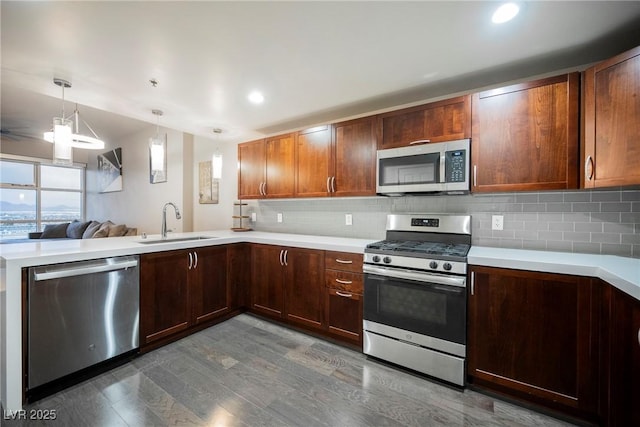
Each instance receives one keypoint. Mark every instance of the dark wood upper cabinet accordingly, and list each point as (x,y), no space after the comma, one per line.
(281,163)
(267,168)
(536,337)
(252,163)
(611,122)
(354,158)
(439,121)
(313,166)
(525,136)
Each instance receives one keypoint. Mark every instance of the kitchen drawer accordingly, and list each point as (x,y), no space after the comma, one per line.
(344,281)
(343,261)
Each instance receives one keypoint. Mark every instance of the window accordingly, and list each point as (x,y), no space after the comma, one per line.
(33,194)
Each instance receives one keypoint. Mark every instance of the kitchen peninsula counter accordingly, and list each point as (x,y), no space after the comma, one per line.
(623,273)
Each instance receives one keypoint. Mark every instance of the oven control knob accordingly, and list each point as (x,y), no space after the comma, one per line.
(433,265)
(447,266)
(376,258)
(386,260)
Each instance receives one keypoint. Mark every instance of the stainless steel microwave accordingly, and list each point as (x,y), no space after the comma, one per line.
(441,167)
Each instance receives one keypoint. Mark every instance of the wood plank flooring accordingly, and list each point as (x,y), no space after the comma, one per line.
(249,372)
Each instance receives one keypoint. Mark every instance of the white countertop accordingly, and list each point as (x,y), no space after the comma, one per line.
(621,272)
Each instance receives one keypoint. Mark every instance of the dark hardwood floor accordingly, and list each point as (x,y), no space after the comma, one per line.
(249,372)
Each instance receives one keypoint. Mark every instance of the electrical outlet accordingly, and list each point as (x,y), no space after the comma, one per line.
(348,219)
(497,222)
(279,216)
(254,217)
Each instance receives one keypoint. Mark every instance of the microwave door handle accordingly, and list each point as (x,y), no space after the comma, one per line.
(443,159)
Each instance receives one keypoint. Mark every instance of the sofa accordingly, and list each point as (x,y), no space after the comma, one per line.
(84,230)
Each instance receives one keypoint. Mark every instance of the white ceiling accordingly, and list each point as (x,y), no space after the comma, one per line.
(314,61)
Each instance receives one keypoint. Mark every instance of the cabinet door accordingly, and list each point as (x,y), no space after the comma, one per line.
(267,275)
(440,121)
(525,136)
(623,369)
(313,169)
(611,114)
(304,287)
(210,296)
(239,274)
(251,169)
(536,336)
(344,315)
(354,148)
(281,163)
(164,295)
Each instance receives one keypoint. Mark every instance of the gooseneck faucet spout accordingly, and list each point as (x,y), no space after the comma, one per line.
(163,231)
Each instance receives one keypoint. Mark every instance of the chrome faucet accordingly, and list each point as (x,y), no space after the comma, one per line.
(163,231)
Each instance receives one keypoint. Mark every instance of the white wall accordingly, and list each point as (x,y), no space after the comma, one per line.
(140,203)
(215,216)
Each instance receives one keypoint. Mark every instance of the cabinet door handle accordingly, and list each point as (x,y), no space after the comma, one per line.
(190,261)
(344,282)
(260,189)
(195,262)
(281,254)
(341,294)
(638,336)
(475,175)
(420,141)
(333,184)
(588,168)
(473,282)
(286,255)
(344,261)
(328,184)
(264,188)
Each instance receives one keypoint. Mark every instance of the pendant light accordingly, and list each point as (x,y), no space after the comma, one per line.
(65,135)
(61,133)
(157,153)
(216,159)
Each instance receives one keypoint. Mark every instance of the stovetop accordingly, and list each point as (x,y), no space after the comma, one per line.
(419,249)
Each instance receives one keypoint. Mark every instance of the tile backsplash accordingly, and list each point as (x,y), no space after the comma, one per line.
(598,221)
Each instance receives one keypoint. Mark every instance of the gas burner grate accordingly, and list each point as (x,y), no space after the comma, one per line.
(419,247)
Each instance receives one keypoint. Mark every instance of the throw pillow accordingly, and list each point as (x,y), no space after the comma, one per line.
(103,231)
(117,230)
(55,231)
(76,229)
(91,229)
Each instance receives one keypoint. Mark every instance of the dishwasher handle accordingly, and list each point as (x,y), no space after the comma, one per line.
(102,266)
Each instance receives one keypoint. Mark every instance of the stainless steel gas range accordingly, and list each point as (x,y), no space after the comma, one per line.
(415,301)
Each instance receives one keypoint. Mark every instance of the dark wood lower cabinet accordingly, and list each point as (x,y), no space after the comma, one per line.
(344,316)
(304,287)
(181,291)
(535,336)
(267,276)
(621,360)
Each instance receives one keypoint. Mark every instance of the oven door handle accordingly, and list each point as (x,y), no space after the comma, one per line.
(411,275)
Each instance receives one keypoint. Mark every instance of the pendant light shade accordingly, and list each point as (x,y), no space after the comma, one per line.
(65,134)
(216,158)
(157,153)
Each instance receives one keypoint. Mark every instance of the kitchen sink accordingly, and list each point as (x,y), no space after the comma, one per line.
(176,239)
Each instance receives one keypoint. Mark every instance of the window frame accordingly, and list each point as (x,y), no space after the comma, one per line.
(37,187)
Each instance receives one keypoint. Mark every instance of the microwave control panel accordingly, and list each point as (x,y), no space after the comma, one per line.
(455,170)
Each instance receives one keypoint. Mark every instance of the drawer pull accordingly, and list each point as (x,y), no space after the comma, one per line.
(343,294)
(344,282)
(344,261)
(638,336)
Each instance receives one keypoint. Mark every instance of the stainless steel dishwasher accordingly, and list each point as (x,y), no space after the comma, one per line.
(80,314)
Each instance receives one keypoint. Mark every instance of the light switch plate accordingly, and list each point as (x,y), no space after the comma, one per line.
(254,217)
(497,222)
(348,219)
(279,216)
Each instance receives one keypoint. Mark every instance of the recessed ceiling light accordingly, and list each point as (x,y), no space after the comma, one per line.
(256,97)
(505,13)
